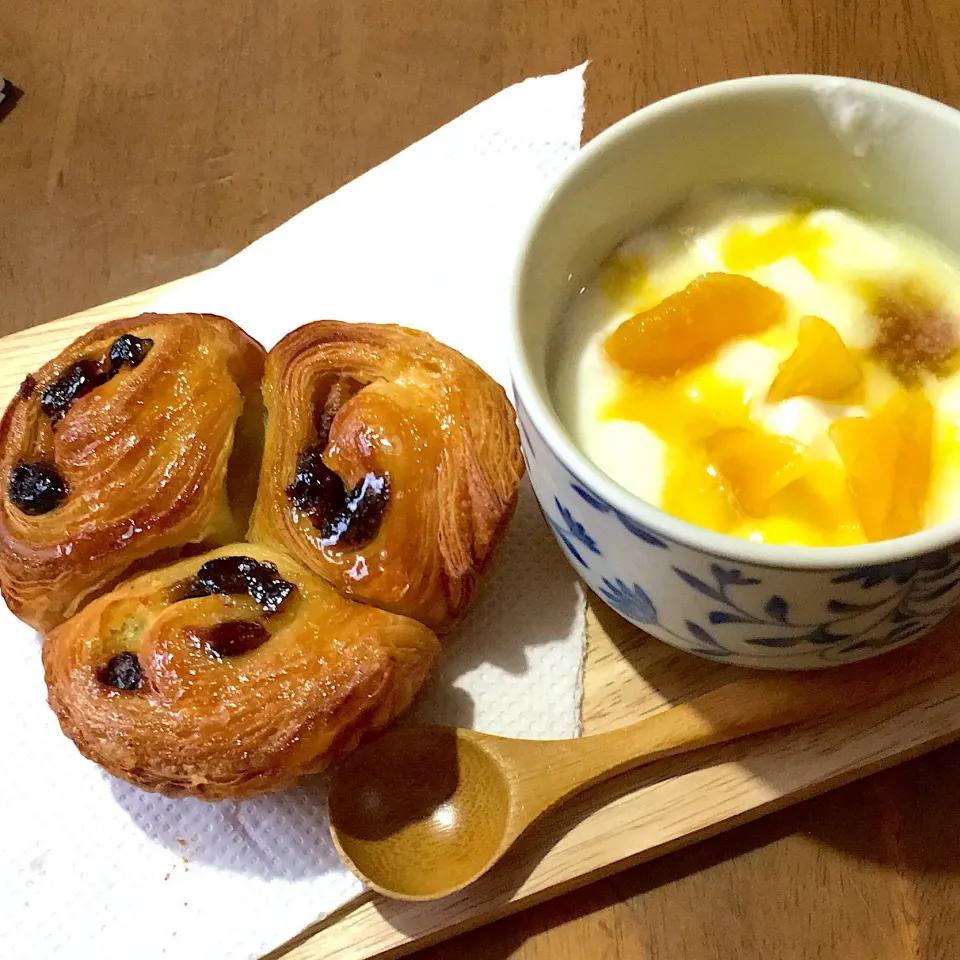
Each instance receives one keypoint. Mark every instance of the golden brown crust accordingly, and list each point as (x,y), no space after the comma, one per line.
(414,411)
(145,457)
(232,726)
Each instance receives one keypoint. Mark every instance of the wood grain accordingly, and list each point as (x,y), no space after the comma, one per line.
(153,140)
(502,786)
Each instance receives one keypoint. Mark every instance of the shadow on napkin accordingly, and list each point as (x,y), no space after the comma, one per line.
(529,603)
(277,836)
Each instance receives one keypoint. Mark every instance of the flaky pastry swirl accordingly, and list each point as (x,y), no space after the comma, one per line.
(122,452)
(229,674)
(391,465)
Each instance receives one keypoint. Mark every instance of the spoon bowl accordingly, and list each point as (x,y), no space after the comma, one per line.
(421,812)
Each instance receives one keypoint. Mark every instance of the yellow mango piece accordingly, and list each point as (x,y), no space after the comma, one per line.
(756,464)
(694,491)
(888,459)
(794,236)
(820,508)
(684,410)
(821,366)
(689,327)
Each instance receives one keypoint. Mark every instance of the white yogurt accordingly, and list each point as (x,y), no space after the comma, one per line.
(690,243)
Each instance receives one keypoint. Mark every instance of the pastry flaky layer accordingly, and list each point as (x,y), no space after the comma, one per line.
(138,442)
(391,465)
(229,674)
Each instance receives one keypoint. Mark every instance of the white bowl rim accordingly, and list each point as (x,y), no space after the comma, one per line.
(939,537)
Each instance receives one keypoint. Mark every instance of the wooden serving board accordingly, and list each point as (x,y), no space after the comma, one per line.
(639,816)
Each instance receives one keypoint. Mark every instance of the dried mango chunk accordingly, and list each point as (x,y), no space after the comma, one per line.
(888,460)
(821,366)
(690,326)
(756,464)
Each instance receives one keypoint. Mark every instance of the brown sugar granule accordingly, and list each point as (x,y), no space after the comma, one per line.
(914,333)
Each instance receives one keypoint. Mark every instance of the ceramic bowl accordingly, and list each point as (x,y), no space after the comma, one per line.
(849,142)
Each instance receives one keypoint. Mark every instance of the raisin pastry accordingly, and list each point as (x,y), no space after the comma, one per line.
(391,465)
(137,443)
(229,674)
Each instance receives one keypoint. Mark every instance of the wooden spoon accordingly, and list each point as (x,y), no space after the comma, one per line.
(424,811)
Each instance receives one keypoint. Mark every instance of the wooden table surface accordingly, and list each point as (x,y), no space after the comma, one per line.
(154,139)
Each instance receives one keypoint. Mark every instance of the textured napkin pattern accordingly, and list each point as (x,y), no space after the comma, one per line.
(92,867)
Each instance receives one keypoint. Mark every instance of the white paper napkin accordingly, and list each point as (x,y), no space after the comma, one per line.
(92,867)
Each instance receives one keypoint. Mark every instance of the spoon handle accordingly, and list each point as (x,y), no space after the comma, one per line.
(756,703)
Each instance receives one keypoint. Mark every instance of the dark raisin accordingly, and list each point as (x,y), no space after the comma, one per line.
(316,489)
(122,672)
(234,637)
(359,519)
(36,488)
(228,574)
(231,575)
(79,380)
(343,518)
(27,386)
(129,350)
(86,375)
(270,594)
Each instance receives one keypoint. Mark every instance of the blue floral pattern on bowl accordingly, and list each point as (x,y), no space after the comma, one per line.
(713,607)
